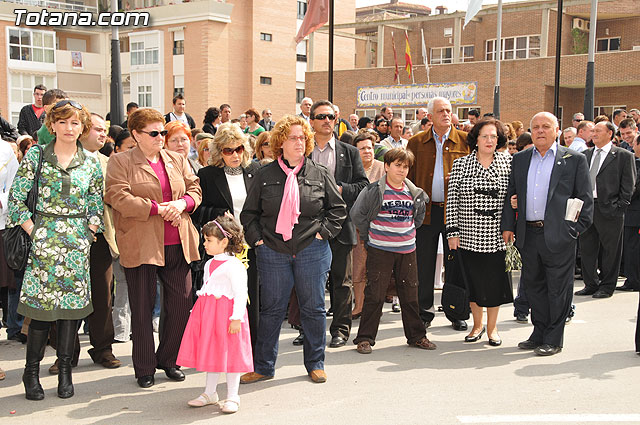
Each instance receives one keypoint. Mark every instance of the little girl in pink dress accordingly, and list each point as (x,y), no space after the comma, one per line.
(217,337)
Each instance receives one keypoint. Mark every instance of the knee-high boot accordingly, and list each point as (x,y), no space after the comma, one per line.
(67,330)
(36,343)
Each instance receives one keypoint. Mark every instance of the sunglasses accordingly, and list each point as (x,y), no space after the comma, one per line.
(66,102)
(155,133)
(321,117)
(265,144)
(229,151)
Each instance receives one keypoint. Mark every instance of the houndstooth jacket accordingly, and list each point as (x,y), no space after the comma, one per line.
(475,200)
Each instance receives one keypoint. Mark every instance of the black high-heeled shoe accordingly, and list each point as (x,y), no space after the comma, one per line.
(474,338)
(495,342)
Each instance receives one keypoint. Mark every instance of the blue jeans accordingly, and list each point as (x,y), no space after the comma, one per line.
(307,271)
(14,320)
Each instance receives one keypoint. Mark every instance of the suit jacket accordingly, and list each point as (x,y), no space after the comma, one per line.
(131,186)
(615,180)
(190,119)
(423,147)
(216,196)
(266,125)
(350,175)
(569,179)
(632,215)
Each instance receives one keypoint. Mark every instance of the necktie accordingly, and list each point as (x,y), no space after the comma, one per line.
(593,172)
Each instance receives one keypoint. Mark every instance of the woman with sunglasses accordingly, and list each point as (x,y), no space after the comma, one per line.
(152,191)
(225,183)
(69,209)
(292,210)
(262,148)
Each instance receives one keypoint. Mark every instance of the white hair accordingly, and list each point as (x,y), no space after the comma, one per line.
(546,114)
(432,103)
(336,108)
(570,129)
(307,98)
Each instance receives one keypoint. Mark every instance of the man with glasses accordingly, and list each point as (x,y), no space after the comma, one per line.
(578,117)
(266,121)
(32,116)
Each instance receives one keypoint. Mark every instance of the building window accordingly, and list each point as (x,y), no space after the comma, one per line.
(607,110)
(441,55)
(21,90)
(371,113)
(140,56)
(523,47)
(124,45)
(608,44)
(301,58)
(178,47)
(144,96)
(265,81)
(265,36)
(177,91)
(31,45)
(466,53)
(302,9)
(463,112)
(299,95)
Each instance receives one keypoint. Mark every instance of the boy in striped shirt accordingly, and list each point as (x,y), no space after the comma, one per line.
(387,214)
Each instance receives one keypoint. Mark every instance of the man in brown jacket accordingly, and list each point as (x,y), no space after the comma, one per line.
(435,150)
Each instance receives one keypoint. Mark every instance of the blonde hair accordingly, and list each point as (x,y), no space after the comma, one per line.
(65,112)
(281,132)
(226,134)
(202,144)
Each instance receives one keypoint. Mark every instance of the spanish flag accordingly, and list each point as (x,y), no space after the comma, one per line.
(407,55)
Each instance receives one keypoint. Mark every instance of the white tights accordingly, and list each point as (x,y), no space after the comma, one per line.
(233,383)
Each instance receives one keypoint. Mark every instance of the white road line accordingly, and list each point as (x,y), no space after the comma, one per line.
(553,418)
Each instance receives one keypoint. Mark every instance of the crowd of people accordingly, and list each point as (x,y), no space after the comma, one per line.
(254,219)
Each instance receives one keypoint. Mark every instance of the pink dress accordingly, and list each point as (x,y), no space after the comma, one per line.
(207,344)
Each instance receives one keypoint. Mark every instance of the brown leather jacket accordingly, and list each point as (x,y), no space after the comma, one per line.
(423,147)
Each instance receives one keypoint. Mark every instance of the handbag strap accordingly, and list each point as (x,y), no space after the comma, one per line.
(36,180)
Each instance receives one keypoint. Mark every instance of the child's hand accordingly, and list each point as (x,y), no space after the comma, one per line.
(234,326)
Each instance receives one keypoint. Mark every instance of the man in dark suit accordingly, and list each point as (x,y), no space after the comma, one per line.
(344,163)
(631,243)
(266,121)
(612,174)
(544,179)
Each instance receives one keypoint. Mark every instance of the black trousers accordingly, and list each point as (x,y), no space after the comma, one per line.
(427,237)
(631,256)
(175,277)
(101,321)
(340,284)
(253,290)
(547,279)
(605,233)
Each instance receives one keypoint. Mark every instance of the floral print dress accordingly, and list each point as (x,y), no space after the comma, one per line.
(56,281)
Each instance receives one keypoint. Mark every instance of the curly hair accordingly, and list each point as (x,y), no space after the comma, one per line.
(66,111)
(280,133)
(233,229)
(211,115)
(472,137)
(227,134)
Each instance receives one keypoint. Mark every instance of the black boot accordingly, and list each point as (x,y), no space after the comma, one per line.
(67,330)
(36,343)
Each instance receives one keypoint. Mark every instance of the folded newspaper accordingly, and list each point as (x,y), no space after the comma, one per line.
(512,259)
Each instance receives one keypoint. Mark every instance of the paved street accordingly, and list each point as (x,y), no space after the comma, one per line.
(595,380)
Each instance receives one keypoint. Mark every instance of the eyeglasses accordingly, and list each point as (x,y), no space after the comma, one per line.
(321,117)
(265,144)
(205,150)
(297,138)
(229,151)
(488,137)
(155,133)
(65,102)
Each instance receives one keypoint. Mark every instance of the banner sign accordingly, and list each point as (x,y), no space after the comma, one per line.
(417,94)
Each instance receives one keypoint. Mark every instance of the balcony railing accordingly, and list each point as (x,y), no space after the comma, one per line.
(56,5)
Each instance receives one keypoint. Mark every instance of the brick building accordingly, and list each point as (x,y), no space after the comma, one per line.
(528,65)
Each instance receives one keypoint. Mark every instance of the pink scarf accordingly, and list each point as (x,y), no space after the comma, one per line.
(290,206)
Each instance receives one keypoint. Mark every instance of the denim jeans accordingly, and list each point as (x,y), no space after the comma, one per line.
(14,320)
(307,271)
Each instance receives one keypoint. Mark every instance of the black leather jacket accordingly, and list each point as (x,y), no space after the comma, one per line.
(322,209)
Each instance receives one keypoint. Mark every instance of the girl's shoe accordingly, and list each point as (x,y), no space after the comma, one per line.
(230,406)
(203,400)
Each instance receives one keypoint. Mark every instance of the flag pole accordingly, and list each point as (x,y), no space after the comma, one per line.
(424,56)
(330,82)
(556,87)
(496,90)
(589,84)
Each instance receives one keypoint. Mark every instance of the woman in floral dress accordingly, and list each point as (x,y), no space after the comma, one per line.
(68,213)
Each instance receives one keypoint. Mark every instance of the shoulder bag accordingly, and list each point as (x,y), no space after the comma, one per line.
(455,298)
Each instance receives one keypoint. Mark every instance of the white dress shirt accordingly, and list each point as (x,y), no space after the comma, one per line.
(605,151)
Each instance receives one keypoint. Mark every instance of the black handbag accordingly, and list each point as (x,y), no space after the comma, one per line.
(455,298)
(17,242)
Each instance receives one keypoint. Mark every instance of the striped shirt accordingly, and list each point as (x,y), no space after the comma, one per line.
(393,229)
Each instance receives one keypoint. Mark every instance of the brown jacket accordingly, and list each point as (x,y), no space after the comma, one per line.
(423,147)
(131,185)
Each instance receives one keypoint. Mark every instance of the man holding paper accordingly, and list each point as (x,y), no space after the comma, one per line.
(544,180)
(613,174)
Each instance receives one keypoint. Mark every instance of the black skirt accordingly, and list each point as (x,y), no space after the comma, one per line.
(487,281)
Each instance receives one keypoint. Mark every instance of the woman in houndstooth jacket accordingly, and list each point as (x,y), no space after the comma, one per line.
(477,188)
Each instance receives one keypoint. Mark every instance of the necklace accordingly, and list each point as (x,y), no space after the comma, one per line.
(232,171)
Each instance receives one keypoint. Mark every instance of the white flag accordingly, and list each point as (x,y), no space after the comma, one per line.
(473,8)
(425,58)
